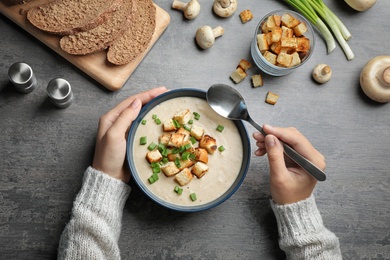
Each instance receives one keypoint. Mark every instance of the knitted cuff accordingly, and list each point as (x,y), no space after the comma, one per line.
(102,193)
(298,219)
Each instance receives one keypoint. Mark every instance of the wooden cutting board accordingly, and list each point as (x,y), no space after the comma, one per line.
(95,65)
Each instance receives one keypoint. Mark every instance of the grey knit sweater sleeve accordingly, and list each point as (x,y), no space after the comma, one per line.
(302,234)
(94,228)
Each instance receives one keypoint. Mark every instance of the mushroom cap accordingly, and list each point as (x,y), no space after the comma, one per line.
(192,10)
(375,79)
(205,37)
(322,73)
(360,5)
(222,11)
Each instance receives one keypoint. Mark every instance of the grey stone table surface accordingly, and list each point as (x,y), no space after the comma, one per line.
(44,150)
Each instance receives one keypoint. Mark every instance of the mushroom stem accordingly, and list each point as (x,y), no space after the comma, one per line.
(225,3)
(218,31)
(386,75)
(325,70)
(179,5)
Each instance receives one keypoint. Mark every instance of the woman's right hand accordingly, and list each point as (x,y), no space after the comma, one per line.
(289,182)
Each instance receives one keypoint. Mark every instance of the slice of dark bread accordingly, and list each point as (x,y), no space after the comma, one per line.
(100,37)
(137,37)
(65,17)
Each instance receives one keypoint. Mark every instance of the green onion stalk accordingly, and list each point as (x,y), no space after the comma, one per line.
(311,9)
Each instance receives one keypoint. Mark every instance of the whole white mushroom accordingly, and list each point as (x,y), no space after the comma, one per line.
(205,36)
(190,9)
(375,79)
(225,8)
(322,73)
(360,5)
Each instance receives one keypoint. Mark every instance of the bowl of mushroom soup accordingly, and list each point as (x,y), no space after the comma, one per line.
(183,155)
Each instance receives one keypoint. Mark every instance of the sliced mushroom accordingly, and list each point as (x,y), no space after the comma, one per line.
(205,36)
(322,73)
(225,8)
(375,79)
(190,9)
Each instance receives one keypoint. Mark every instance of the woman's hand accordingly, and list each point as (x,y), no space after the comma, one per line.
(110,150)
(289,182)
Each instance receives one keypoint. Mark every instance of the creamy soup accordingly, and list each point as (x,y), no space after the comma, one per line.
(224,166)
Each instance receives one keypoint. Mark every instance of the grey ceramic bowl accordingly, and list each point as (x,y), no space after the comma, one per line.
(130,142)
(270,68)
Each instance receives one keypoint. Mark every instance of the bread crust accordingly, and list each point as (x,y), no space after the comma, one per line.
(137,38)
(100,37)
(56,17)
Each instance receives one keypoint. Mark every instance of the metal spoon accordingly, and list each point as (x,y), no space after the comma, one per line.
(228,102)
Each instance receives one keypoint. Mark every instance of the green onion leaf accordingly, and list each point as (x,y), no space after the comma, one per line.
(196,115)
(176,123)
(193,196)
(154,116)
(143,140)
(152,146)
(220,128)
(193,140)
(177,162)
(221,148)
(190,121)
(143,122)
(178,190)
(186,127)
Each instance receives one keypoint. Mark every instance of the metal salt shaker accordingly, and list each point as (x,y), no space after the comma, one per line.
(22,77)
(60,92)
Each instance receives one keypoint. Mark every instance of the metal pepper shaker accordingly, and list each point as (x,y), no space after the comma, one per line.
(22,77)
(60,92)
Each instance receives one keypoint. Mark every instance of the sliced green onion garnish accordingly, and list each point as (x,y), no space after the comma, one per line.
(178,190)
(221,148)
(157,121)
(185,156)
(175,150)
(143,122)
(143,140)
(190,121)
(156,169)
(152,179)
(196,115)
(220,128)
(177,162)
(152,146)
(187,146)
(176,123)
(164,160)
(193,196)
(192,139)
(154,116)
(186,127)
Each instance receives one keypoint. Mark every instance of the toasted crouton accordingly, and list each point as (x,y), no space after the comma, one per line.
(153,156)
(183,116)
(295,59)
(201,155)
(164,139)
(184,177)
(185,133)
(270,57)
(284,59)
(289,21)
(257,80)
(276,47)
(262,42)
(238,75)
(169,126)
(276,34)
(300,29)
(169,169)
(271,98)
(246,16)
(209,143)
(185,164)
(288,42)
(199,169)
(177,140)
(287,32)
(197,132)
(303,44)
(172,156)
(244,64)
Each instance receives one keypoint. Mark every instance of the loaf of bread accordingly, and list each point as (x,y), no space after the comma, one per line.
(65,17)
(103,35)
(138,36)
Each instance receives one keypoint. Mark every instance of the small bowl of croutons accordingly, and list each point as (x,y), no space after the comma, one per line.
(283,41)
(183,155)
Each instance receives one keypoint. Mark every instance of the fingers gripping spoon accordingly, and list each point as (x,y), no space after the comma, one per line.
(229,103)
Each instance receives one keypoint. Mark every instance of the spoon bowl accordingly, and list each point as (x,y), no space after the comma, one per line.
(229,103)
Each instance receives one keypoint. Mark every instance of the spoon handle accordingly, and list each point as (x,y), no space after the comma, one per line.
(295,156)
